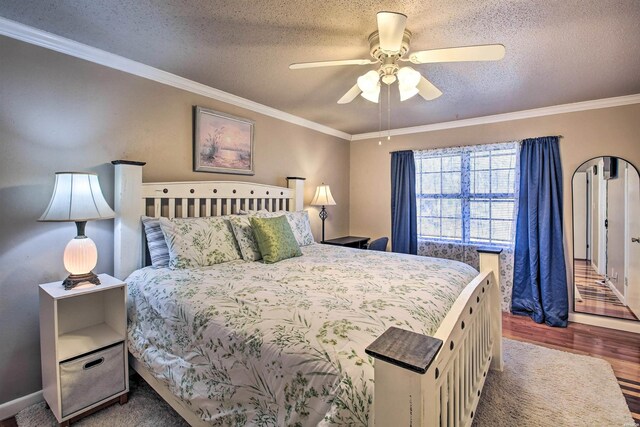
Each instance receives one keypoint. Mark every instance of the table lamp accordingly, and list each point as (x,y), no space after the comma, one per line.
(323,198)
(77,197)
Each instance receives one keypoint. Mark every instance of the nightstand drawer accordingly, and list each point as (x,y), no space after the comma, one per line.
(88,379)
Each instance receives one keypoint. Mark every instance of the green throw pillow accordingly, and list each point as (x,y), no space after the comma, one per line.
(275,239)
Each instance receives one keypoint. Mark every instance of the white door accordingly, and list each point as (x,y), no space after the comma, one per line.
(632,282)
(580,215)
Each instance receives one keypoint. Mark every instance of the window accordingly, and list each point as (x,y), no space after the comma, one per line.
(467,194)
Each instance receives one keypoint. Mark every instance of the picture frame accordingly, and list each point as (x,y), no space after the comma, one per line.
(222,143)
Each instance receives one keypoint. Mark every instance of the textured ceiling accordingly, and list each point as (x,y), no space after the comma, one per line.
(558,51)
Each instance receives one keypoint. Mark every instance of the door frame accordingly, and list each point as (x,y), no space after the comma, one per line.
(589,215)
(627,234)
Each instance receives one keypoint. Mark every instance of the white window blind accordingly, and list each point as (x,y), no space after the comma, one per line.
(467,194)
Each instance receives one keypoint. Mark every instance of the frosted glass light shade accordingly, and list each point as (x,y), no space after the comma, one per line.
(369,84)
(80,256)
(368,81)
(372,95)
(409,77)
(77,197)
(323,196)
(408,80)
(407,92)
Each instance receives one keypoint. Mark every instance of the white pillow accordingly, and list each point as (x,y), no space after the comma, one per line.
(244,236)
(199,242)
(299,222)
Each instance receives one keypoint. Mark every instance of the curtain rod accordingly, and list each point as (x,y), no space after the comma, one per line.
(559,137)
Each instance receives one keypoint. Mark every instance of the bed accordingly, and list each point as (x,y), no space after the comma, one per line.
(284,344)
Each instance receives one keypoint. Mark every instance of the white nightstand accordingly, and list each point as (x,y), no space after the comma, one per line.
(83,347)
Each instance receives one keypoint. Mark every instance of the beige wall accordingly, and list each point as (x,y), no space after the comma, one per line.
(587,134)
(59,113)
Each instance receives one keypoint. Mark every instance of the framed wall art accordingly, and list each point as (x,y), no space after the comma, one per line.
(222,143)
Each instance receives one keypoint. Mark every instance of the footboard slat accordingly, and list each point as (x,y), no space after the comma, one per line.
(450,381)
(443,406)
(456,388)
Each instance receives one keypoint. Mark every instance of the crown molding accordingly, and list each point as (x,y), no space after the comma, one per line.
(54,42)
(60,44)
(517,115)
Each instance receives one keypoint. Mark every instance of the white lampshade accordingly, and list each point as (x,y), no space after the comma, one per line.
(323,196)
(77,197)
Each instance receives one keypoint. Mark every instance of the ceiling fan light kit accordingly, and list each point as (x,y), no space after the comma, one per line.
(388,47)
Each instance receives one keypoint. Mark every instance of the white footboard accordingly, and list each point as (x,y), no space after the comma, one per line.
(437,381)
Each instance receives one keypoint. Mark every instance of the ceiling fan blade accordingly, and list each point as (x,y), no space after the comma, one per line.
(350,95)
(427,90)
(391,27)
(302,65)
(487,52)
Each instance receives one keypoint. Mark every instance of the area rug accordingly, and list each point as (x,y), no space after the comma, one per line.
(145,408)
(539,387)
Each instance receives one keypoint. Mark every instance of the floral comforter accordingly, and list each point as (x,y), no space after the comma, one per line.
(283,344)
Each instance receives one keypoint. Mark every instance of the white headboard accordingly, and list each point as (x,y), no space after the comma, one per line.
(133,198)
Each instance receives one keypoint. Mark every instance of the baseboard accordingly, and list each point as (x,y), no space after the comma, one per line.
(576,294)
(606,322)
(11,408)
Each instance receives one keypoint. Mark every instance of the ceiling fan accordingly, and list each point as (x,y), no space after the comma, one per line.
(389,45)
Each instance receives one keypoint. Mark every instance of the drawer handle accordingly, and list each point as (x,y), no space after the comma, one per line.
(93,363)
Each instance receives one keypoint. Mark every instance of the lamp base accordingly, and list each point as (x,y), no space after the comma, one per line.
(75,279)
(323,215)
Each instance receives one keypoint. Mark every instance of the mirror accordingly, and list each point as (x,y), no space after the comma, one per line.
(606,238)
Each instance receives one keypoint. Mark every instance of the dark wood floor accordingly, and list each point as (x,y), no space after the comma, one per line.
(620,349)
(595,296)
(10,422)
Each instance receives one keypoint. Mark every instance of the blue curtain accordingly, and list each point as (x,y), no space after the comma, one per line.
(539,274)
(404,228)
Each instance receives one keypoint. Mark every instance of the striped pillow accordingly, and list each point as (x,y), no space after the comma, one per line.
(156,243)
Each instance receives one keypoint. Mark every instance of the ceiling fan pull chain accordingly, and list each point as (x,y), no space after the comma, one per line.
(388,112)
(380,121)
